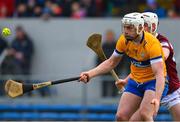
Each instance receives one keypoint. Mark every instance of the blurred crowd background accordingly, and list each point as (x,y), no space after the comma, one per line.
(17,52)
(21,48)
(39,51)
(78,9)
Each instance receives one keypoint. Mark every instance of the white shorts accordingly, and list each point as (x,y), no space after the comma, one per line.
(171,99)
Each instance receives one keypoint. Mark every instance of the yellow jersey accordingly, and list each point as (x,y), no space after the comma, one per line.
(142,55)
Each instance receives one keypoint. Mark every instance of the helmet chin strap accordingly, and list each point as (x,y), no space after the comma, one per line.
(138,34)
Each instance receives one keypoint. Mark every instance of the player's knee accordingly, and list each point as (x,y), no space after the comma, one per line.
(145,114)
(121,116)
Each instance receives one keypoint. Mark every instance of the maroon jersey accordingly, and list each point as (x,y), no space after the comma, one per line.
(174,82)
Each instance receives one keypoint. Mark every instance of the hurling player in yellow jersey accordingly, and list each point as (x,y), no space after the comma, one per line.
(146,84)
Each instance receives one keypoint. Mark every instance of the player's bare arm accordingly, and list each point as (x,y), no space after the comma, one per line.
(166,52)
(102,68)
(158,71)
(160,83)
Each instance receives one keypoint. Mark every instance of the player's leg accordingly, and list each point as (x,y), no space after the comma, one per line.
(175,111)
(129,102)
(146,110)
(136,116)
(172,102)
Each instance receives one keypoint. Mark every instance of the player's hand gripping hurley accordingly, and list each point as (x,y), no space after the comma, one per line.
(94,42)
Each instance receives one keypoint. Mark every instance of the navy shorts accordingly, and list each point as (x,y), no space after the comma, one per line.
(139,88)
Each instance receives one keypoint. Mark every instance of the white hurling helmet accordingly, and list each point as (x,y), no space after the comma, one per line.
(135,19)
(151,18)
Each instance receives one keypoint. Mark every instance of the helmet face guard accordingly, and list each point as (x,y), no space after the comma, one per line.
(131,28)
(151,18)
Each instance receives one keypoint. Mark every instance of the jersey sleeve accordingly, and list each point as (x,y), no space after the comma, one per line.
(165,44)
(164,41)
(120,47)
(155,53)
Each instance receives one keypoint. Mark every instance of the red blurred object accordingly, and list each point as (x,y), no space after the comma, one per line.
(57,10)
(7,8)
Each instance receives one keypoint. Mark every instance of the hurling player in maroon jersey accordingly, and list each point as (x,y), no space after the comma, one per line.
(172,100)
